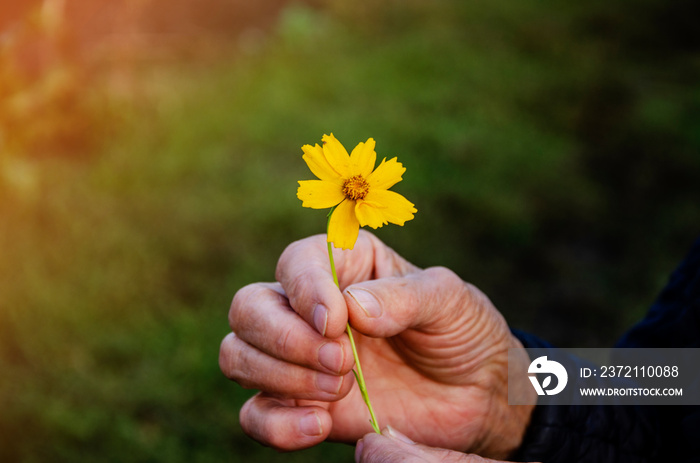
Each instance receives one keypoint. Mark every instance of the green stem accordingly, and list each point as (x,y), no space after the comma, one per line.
(358,368)
(361,382)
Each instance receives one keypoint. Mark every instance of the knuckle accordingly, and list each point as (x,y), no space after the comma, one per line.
(295,286)
(241,300)
(288,255)
(249,420)
(446,294)
(244,416)
(291,271)
(245,313)
(255,420)
(226,356)
(283,343)
(444,276)
(447,281)
(232,360)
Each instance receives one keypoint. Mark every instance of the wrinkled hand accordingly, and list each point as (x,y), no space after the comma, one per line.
(393,447)
(433,348)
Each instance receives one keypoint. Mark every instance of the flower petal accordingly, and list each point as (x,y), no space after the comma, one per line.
(343,227)
(382,206)
(363,157)
(336,155)
(319,194)
(369,214)
(386,175)
(319,165)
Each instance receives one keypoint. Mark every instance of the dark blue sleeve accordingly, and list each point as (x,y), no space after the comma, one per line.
(629,434)
(674,318)
(674,321)
(586,433)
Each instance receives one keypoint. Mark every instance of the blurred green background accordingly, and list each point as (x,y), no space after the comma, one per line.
(149,154)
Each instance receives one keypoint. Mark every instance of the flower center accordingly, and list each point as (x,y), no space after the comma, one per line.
(355,188)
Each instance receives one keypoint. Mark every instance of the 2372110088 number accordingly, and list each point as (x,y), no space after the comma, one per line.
(627,371)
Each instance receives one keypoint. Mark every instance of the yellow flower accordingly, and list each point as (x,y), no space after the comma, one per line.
(350,182)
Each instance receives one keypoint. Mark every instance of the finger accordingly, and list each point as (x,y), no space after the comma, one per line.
(261,316)
(282,425)
(305,274)
(442,326)
(392,446)
(425,299)
(253,369)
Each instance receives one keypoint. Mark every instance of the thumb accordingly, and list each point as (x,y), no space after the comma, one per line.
(392,446)
(429,300)
(444,327)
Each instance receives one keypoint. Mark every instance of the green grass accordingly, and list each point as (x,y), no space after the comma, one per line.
(552,163)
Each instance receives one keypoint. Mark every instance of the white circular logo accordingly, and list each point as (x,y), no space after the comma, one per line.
(551,368)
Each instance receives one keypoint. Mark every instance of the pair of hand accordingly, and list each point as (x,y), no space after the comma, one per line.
(433,348)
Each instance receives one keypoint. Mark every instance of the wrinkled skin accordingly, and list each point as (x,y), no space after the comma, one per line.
(433,350)
(394,447)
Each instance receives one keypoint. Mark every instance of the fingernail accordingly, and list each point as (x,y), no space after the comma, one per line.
(328,383)
(393,433)
(320,318)
(358,450)
(330,355)
(310,425)
(367,302)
